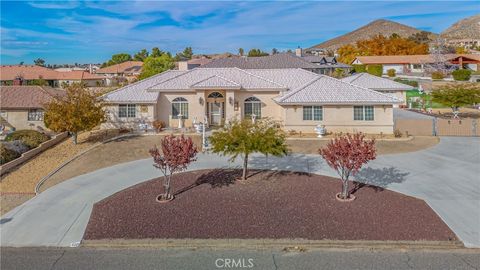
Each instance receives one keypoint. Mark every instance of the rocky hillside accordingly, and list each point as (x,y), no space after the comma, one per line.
(466,28)
(384,27)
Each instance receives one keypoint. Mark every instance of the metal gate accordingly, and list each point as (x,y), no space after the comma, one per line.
(438,127)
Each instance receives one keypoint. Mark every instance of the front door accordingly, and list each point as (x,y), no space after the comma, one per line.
(216,113)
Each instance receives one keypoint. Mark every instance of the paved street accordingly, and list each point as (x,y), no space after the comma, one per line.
(445,176)
(118,259)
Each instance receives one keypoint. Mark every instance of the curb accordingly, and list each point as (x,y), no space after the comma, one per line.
(284,244)
(409,138)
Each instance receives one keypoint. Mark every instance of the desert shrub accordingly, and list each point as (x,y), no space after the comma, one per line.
(30,138)
(359,68)
(437,75)
(391,72)
(462,75)
(158,125)
(397,133)
(7,154)
(376,70)
(17,146)
(407,82)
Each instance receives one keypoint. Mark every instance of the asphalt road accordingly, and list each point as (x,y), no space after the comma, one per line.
(118,259)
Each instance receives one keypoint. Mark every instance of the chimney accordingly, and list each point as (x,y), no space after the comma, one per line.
(298,51)
(90,68)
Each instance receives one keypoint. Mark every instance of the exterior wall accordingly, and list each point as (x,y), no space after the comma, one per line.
(145,113)
(340,119)
(19,119)
(269,107)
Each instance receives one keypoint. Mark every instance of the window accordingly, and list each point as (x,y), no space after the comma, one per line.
(416,66)
(180,106)
(127,110)
(215,95)
(313,113)
(35,115)
(253,105)
(363,113)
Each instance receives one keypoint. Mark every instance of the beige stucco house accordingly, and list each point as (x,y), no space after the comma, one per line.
(299,99)
(383,85)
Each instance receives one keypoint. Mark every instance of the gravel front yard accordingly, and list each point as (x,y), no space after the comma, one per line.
(209,204)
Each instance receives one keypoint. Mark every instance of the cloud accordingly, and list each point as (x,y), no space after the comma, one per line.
(55,4)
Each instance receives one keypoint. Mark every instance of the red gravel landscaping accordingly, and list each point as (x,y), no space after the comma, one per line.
(211,204)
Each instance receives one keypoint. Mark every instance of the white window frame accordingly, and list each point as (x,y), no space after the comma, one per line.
(364,107)
(128,110)
(182,104)
(252,101)
(35,115)
(312,113)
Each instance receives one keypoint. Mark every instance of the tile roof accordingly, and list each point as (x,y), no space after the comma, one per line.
(32,72)
(328,90)
(280,60)
(26,97)
(132,67)
(409,59)
(137,92)
(376,83)
(216,82)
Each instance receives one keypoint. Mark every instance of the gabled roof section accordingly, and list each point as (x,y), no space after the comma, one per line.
(216,82)
(138,92)
(27,97)
(327,90)
(131,67)
(244,78)
(375,83)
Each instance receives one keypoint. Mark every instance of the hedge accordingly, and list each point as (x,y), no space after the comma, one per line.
(6,154)
(359,68)
(391,72)
(437,75)
(407,82)
(31,138)
(376,70)
(462,75)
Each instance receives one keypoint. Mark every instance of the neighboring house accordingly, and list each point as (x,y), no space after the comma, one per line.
(124,72)
(22,106)
(28,74)
(327,64)
(383,85)
(193,63)
(300,99)
(410,64)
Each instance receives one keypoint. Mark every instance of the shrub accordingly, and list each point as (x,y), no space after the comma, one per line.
(397,133)
(376,70)
(407,82)
(391,72)
(359,68)
(17,146)
(7,154)
(30,138)
(462,75)
(437,75)
(158,125)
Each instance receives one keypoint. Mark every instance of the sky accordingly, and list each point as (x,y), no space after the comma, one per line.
(91,31)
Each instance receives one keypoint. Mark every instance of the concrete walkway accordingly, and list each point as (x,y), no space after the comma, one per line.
(446,176)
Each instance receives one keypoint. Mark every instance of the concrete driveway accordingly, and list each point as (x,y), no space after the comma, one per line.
(446,176)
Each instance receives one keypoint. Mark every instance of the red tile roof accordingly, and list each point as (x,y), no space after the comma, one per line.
(26,97)
(32,72)
(132,67)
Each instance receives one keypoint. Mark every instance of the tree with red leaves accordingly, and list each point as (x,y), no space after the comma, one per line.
(177,153)
(347,154)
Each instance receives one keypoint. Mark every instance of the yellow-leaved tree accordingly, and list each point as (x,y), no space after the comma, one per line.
(79,110)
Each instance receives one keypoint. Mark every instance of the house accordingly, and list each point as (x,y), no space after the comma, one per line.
(319,65)
(300,99)
(22,106)
(30,74)
(124,72)
(193,63)
(383,85)
(408,64)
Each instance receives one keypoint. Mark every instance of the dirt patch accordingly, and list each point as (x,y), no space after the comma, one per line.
(109,154)
(8,201)
(383,146)
(210,204)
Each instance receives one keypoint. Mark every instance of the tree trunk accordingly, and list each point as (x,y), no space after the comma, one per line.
(74,137)
(166,185)
(344,189)
(245,164)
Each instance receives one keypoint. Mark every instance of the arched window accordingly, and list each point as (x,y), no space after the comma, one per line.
(180,106)
(215,95)
(253,105)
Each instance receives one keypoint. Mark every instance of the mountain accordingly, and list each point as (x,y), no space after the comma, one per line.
(466,28)
(383,27)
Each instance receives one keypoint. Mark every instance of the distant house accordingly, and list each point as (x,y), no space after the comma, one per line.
(407,64)
(299,99)
(29,74)
(126,71)
(278,61)
(383,85)
(193,63)
(22,106)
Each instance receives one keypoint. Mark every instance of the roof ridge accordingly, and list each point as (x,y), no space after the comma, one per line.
(218,76)
(260,77)
(368,89)
(293,92)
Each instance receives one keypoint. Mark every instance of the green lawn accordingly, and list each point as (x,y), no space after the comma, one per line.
(413,94)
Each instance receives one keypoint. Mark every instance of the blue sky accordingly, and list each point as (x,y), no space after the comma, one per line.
(84,32)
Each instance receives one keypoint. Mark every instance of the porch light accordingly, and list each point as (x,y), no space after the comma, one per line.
(230,100)
(200,100)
